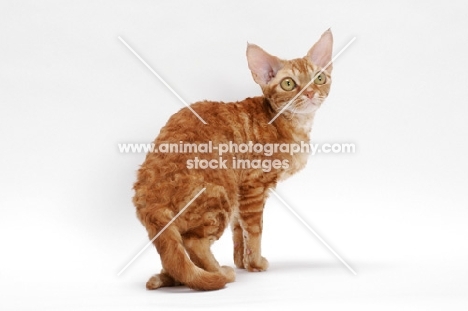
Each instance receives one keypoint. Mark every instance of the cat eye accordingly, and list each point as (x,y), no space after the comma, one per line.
(320,79)
(288,84)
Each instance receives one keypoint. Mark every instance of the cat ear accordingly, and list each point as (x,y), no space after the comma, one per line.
(321,53)
(262,65)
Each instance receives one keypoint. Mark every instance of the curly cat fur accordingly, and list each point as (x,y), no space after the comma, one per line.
(233,196)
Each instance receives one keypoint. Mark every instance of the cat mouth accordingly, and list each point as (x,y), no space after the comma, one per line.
(306,105)
(314,102)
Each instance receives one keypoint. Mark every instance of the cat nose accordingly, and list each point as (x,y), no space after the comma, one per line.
(309,94)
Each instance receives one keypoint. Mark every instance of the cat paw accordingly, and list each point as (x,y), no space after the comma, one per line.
(229,273)
(257,267)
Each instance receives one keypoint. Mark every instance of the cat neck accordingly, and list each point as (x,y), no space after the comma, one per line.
(291,126)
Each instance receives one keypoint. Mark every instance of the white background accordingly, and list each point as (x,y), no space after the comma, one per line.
(396,210)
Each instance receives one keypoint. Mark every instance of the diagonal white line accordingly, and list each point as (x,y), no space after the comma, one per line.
(159,233)
(311,81)
(161,79)
(313,231)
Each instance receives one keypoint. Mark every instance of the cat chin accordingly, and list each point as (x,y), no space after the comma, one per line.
(309,109)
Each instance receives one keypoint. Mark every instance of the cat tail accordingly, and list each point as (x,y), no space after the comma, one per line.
(177,264)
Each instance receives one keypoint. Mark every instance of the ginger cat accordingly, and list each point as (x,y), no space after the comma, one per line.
(167,181)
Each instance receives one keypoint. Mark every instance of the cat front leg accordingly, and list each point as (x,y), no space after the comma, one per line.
(238,241)
(247,228)
(252,225)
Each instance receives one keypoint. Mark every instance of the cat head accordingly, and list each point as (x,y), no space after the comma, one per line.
(282,80)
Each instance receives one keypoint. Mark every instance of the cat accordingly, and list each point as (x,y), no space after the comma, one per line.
(232,196)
